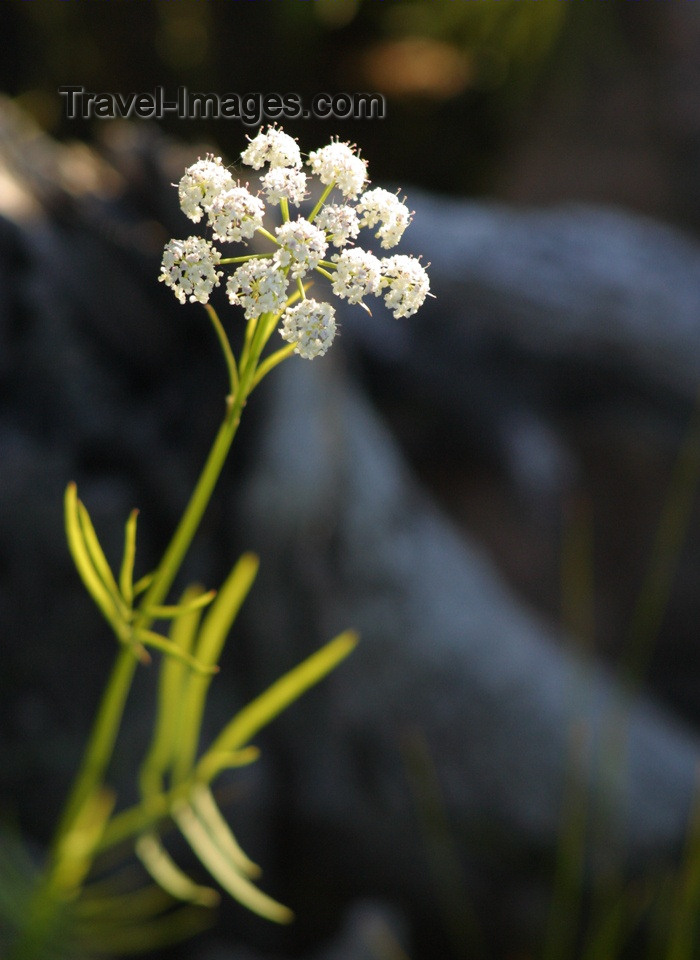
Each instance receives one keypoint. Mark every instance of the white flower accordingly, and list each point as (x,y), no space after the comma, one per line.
(339,222)
(408,284)
(302,246)
(259,286)
(274,147)
(311,326)
(338,164)
(201,184)
(188,268)
(358,273)
(236,214)
(284,183)
(380,206)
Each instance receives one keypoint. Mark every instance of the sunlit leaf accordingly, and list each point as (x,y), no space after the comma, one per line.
(126,573)
(152,639)
(83,559)
(169,876)
(208,812)
(223,870)
(275,699)
(211,638)
(173,676)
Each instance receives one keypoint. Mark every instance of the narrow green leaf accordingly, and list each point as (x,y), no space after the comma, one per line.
(212,636)
(223,612)
(221,868)
(144,583)
(270,362)
(95,550)
(83,561)
(126,573)
(275,699)
(76,851)
(139,903)
(152,639)
(180,609)
(169,876)
(208,812)
(231,760)
(173,676)
(117,938)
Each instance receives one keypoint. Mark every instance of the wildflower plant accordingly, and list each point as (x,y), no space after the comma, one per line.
(67,909)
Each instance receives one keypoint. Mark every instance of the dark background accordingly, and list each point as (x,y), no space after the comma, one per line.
(525,100)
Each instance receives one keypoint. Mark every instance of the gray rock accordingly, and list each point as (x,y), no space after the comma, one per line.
(451,666)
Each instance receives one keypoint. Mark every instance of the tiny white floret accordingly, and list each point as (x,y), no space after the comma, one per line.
(201,184)
(407,282)
(340,223)
(284,183)
(236,214)
(303,246)
(338,164)
(378,206)
(358,273)
(274,147)
(259,286)
(311,326)
(188,268)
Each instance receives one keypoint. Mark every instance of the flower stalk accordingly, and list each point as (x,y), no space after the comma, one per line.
(175,778)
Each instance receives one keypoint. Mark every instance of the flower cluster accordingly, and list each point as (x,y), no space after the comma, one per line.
(265,283)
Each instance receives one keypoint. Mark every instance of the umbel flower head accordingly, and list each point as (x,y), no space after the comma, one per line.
(267,284)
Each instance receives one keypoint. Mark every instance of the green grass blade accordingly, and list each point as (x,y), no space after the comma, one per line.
(274,700)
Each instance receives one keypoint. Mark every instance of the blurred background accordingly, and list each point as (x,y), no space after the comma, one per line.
(511,105)
(524,101)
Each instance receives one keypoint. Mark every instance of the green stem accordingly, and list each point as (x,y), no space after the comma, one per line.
(101,744)
(189,522)
(225,348)
(321,200)
(269,363)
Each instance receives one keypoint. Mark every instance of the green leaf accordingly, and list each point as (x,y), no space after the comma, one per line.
(152,639)
(224,610)
(212,636)
(126,573)
(96,553)
(169,876)
(118,938)
(173,677)
(224,870)
(179,610)
(84,562)
(274,700)
(205,807)
(144,583)
(76,851)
